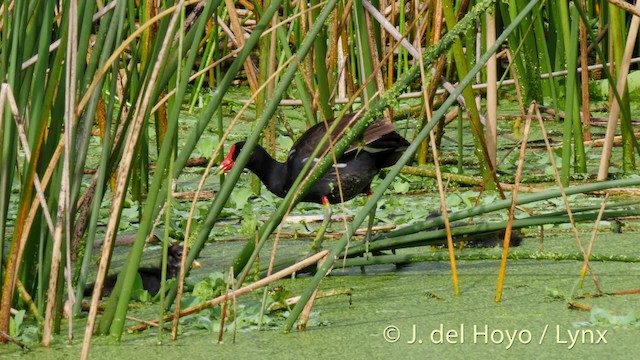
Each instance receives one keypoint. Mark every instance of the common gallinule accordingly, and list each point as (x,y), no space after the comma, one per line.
(380,147)
(150,276)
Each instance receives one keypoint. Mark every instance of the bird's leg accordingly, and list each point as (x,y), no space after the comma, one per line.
(317,242)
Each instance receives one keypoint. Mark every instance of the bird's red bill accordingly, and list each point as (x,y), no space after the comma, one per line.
(227,163)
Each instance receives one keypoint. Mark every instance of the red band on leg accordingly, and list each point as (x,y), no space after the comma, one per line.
(325,201)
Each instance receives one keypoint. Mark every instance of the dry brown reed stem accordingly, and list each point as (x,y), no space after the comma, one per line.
(28,300)
(512,208)
(578,306)
(223,313)
(441,191)
(306,311)
(564,197)
(249,68)
(7,337)
(593,239)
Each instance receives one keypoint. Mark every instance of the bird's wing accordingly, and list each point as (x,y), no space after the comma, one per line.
(305,145)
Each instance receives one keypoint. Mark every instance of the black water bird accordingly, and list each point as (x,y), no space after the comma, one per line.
(150,276)
(380,146)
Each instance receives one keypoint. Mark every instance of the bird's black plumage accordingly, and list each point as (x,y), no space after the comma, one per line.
(150,276)
(380,147)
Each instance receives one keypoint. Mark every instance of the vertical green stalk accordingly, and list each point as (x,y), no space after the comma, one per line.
(301,89)
(530,59)
(572,121)
(563,26)
(208,54)
(6,166)
(218,73)
(165,248)
(617,31)
(476,126)
(266,66)
(320,64)
(365,65)
(403,63)
(580,157)
(548,85)
(460,142)
(103,171)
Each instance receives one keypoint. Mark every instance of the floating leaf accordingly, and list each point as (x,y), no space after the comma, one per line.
(207,144)
(240,197)
(401,187)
